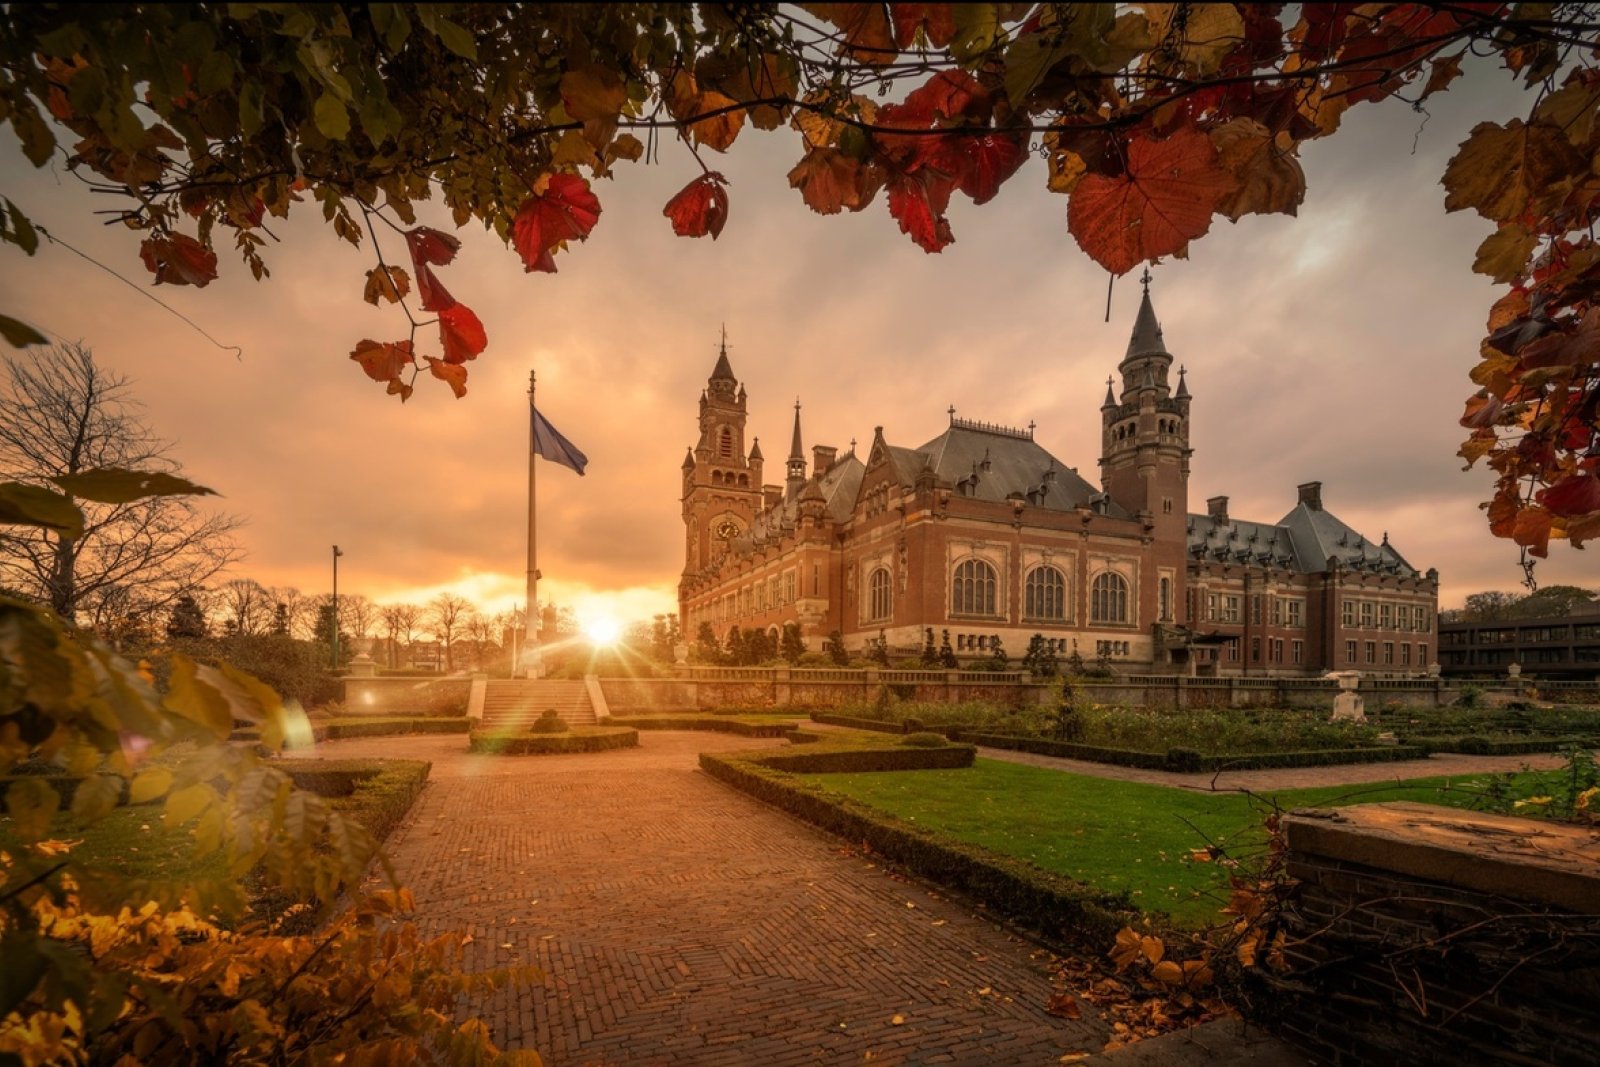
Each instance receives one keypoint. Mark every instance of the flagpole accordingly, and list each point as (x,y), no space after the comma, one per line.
(530,641)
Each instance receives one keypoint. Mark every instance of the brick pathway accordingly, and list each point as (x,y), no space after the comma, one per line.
(678,921)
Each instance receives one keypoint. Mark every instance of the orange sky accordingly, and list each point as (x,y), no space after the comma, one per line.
(1333,346)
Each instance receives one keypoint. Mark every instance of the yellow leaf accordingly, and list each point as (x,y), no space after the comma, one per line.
(1503,255)
(31,803)
(898,1020)
(1270,179)
(1167,973)
(1209,32)
(1506,172)
(717,132)
(186,803)
(593,93)
(386,283)
(150,784)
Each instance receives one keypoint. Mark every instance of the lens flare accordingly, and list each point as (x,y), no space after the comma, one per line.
(603,630)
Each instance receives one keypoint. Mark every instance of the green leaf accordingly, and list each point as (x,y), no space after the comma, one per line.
(187,803)
(32,505)
(32,803)
(149,784)
(455,37)
(332,117)
(114,485)
(21,232)
(96,797)
(976,27)
(20,334)
(251,108)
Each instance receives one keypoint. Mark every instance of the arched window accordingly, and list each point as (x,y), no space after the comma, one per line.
(972,589)
(880,595)
(1044,595)
(1108,598)
(725,443)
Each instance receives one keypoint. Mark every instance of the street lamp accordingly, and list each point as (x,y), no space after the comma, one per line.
(336,554)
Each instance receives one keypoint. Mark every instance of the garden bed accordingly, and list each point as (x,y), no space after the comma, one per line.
(744,727)
(579,739)
(388,726)
(1180,760)
(1515,745)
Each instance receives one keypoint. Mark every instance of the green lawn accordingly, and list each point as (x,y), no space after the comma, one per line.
(1110,834)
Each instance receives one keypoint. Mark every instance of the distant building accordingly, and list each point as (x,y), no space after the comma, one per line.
(1565,647)
(985,534)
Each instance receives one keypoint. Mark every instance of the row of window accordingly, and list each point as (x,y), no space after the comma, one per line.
(1529,635)
(1278,611)
(1369,651)
(1044,593)
(1383,615)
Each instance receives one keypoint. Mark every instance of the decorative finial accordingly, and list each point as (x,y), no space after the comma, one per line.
(852,446)
(797,403)
(952,412)
(724,338)
(530,383)
(1144,279)
(1030,428)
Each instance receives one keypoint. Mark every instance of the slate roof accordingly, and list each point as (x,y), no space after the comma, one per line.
(1303,540)
(1017,464)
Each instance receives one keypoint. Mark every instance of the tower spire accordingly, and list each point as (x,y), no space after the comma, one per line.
(723,371)
(797,455)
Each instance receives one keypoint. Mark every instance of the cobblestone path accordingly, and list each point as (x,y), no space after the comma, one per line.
(678,921)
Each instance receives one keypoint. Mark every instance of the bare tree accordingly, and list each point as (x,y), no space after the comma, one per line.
(299,610)
(247,607)
(357,614)
(446,614)
(60,413)
(399,621)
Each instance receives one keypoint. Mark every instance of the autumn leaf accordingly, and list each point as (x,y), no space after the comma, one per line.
(566,210)
(868,36)
(461,334)
(428,245)
(918,202)
(699,208)
(1168,973)
(1531,530)
(1577,494)
(1207,33)
(1164,200)
(400,388)
(452,374)
(1503,255)
(386,283)
(948,94)
(1505,172)
(936,21)
(1269,179)
(382,362)
(988,161)
(435,297)
(178,259)
(1064,1006)
(719,131)
(1442,71)
(829,180)
(593,92)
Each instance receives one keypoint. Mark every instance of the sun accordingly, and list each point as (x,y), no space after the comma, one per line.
(602,630)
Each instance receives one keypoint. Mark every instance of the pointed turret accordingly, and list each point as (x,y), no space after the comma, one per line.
(688,460)
(1146,338)
(1183,385)
(755,450)
(1147,361)
(1111,397)
(797,452)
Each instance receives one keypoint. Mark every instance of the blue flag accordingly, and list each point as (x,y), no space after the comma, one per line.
(548,442)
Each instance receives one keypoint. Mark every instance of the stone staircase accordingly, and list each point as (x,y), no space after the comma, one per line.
(509,705)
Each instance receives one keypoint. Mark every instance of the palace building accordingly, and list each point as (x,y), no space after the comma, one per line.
(983,533)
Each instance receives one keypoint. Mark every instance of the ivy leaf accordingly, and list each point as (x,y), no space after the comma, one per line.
(115,485)
(32,505)
(1206,35)
(178,259)
(918,202)
(1505,172)
(565,211)
(1161,202)
(977,26)
(20,334)
(461,334)
(452,374)
(987,161)
(386,283)
(829,180)
(382,362)
(699,208)
(1268,178)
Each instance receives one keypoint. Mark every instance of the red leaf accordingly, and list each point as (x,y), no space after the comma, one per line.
(452,373)
(178,259)
(431,246)
(461,334)
(938,19)
(987,162)
(918,201)
(949,93)
(435,297)
(566,211)
(701,207)
(830,180)
(1163,201)
(1578,494)
(382,362)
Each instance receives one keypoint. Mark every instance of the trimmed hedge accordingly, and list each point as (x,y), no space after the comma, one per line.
(1475,745)
(859,724)
(839,759)
(382,791)
(580,739)
(742,727)
(1064,910)
(1183,760)
(342,729)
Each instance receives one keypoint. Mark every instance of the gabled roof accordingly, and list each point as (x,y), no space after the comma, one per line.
(1303,540)
(1016,464)
(1327,537)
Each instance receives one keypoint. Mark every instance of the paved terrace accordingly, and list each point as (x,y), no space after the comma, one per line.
(678,921)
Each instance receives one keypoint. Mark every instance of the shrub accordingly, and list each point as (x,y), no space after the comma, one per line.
(1469,697)
(924,740)
(549,723)
(584,739)
(1183,759)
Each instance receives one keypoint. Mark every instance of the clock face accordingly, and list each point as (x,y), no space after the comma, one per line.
(727,529)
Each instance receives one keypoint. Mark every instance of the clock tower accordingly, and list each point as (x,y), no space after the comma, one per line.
(721,481)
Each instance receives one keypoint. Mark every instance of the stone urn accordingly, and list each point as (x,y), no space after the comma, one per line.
(1348,706)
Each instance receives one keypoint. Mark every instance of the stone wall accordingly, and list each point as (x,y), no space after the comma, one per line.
(1422,935)
(406,696)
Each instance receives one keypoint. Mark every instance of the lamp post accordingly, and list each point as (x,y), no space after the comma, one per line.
(336,554)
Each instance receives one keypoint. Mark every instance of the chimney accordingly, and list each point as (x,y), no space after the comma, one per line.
(822,458)
(1217,508)
(1311,495)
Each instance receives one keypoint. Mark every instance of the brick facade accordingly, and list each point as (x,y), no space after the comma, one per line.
(984,534)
